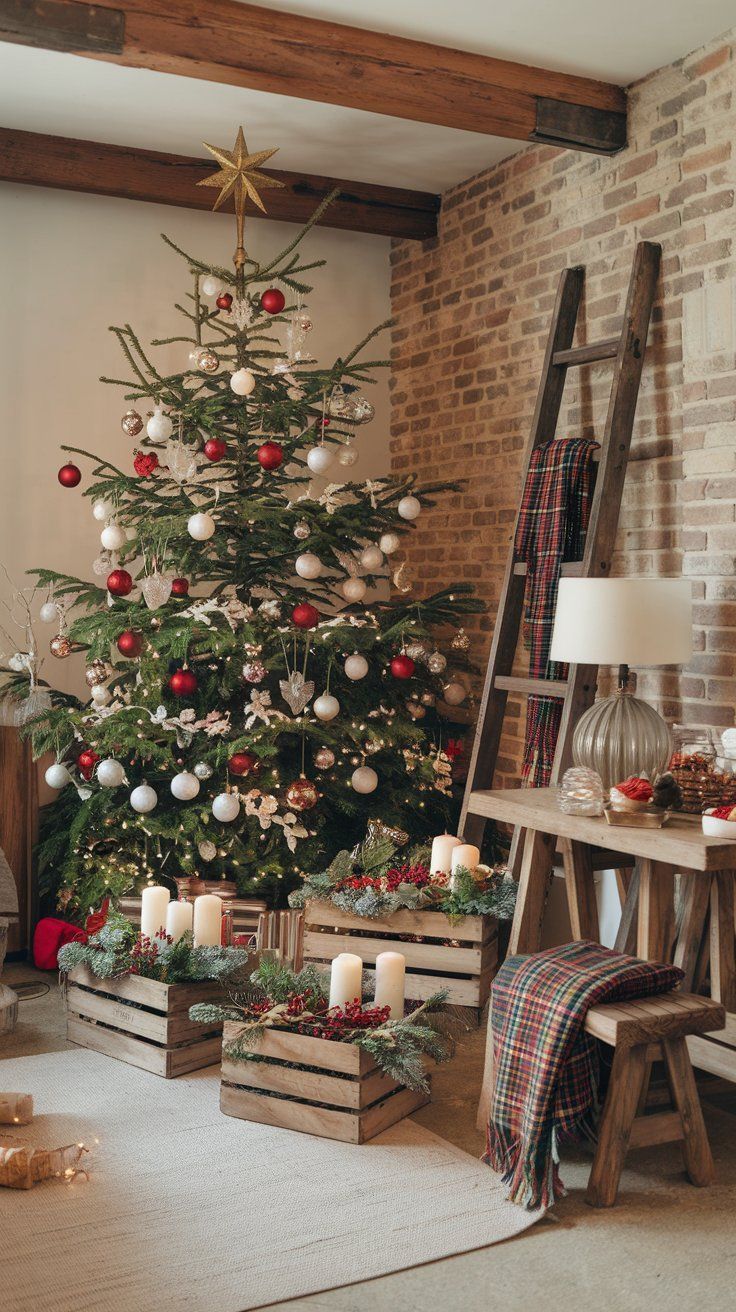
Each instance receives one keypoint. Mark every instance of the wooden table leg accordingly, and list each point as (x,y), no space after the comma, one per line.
(626,936)
(695,898)
(722,964)
(534,883)
(655,922)
(580,888)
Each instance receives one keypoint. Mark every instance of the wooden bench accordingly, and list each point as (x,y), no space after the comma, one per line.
(643,1031)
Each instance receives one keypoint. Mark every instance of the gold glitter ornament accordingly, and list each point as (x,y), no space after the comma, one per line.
(95,673)
(60,646)
(131,423)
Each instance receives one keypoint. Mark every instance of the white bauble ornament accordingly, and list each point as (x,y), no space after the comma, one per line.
(389,543)
(356,667)
(347,456)
(100,694)
(353,589)
(102,509)
(364,779)
(159,426)
(226,807)
(185,786)
(209,285)
(110,774)
(242,382)
(48,612)
(113,537)
(57,775)
(308,566)
(200,526)
(326,707)
(436,662)
(409,507)
(143,799)
(454,693)
(371,558)
(319,459)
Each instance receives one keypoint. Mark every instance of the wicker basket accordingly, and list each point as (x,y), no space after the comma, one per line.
(702,788)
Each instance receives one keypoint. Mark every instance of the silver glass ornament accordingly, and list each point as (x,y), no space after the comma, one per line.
(207,360)
(203,770)
(324,759)
(207,850)
(436,663)
(156,589)
(96,673)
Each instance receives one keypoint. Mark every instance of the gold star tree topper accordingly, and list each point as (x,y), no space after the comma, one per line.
(239,176)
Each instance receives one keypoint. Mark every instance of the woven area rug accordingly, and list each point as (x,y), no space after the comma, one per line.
(188,1209)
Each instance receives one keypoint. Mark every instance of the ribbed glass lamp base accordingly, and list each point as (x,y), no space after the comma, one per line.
(620,736)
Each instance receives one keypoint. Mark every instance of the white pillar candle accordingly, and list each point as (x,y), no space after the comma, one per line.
(346,978)
(390,973)
(179,919)
(154,901)
(465,855)
(442,848)
(207,920)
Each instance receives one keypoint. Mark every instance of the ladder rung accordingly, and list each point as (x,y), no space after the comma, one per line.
(571,568)
(533,687)
(588,354)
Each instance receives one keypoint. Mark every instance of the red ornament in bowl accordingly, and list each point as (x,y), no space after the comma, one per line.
(224,301)
(273,301)
(402,666)
(242,763)
(183,683)
(215,448)
(119,583)
(130,643)
(305,615)
(179,587)
(270,455)
(69,475)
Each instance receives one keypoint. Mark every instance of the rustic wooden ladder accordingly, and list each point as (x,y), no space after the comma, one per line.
(578,691)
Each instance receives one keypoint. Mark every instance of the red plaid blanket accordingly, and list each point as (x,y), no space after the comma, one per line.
(546,1067)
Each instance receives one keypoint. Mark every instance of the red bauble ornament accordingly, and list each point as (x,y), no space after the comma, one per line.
(145,462)
(69,475)
(402,667)
(215,448)
(130,643)
(183,683)
(270,455)
(242,763)
(179,587)
(273,301)
(302,795)
(305,616)
(86,761)
(119,583)
(324,422)
(224,301)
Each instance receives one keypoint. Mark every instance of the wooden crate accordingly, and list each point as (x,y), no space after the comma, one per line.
(332,1089)
(461,957)
(142,1021)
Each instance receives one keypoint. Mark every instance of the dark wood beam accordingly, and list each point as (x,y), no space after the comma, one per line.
(104,170)
(244,45)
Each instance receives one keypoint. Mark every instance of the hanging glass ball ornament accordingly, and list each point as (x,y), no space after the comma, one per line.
(119,583)
(96,672)
(347,456)
(319,458)
(70,475)
(131,423)
(224,301)
(461,641)
(210,285)
(324,758)
(349,405)
(409,507)
(389,543)
(302,794)
(436,663)
(326,707)
(417,651)
(48,612)
(207,360)
(301,530)
(581,792)
(254,672)
(402,666)
(203,770)
(159,426)
(273,300)
(364,779)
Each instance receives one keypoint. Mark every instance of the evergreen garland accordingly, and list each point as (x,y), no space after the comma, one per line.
(119,949)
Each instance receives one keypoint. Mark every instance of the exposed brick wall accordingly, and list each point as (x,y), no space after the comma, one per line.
(472,311)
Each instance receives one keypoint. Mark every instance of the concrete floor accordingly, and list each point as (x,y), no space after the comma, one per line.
(665,1244)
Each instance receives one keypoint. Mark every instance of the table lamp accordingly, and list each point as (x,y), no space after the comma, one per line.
(625,621)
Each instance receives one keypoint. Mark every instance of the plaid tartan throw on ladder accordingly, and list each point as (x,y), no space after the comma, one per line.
(546,1068)
(553,520)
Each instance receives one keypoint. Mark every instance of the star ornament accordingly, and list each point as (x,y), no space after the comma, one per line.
(239,174)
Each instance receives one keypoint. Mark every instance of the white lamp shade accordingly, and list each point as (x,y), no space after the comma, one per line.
(627,621)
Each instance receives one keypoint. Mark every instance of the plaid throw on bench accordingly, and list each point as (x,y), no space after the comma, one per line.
(546,1067)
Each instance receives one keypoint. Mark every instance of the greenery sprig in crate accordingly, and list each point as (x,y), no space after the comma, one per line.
(118,948)
(290,1059)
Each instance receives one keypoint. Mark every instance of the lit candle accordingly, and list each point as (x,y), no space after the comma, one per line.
(442,848)
(179,919)
(207,917)
(390,973)
(346,978)
(154,901)
(465,855)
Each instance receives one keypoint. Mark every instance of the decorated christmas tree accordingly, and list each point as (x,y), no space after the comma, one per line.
(257,692)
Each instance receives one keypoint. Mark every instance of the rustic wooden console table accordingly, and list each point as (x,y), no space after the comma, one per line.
(698,935)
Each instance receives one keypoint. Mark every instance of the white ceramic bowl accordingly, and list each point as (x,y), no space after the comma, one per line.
(715,828)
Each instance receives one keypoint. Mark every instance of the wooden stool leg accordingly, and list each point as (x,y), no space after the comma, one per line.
(695,1148)
(624,1089)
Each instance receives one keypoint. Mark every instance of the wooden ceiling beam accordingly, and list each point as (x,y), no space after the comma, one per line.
(104,170)
(291,55)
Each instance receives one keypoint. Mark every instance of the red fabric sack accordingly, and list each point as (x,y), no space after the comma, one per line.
(50,935)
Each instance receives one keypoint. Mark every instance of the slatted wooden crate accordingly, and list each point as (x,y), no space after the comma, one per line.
(459,956)
(142,1021)
(335,1090)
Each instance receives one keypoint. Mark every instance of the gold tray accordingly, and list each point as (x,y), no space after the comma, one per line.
(636,819)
